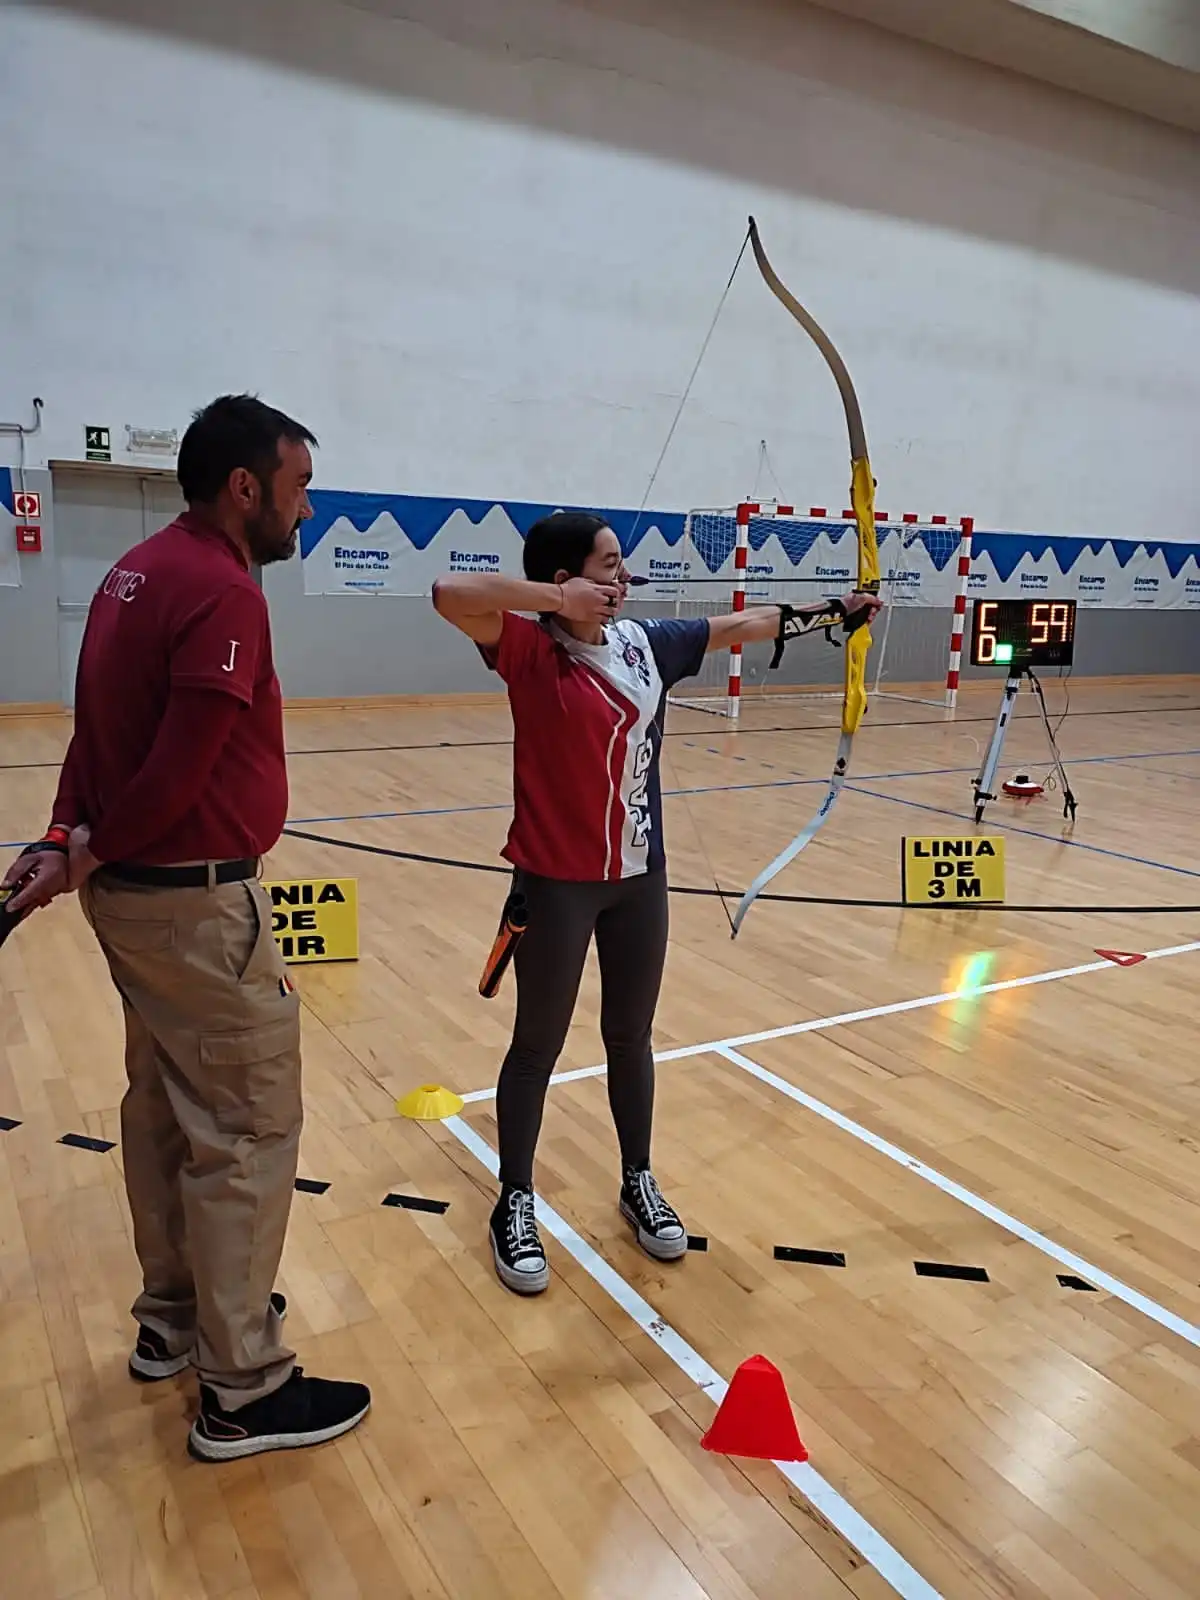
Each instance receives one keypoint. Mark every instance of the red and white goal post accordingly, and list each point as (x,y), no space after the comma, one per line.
(924,572)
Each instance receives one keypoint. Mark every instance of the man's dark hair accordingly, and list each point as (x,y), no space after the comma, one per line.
(237,430)
(561,542)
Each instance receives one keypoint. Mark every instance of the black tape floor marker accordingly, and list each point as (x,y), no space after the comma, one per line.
(946,1269)
(697,1241)
(7,1124)
(779,899)
(680,733)
(812,1258)
(397,855)
(1070,1281)
(84,1141)
(311,1186)
(413,1202)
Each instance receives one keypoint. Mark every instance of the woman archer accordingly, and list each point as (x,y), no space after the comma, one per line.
(587,693)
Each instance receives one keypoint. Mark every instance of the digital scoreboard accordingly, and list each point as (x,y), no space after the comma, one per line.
(1023,633)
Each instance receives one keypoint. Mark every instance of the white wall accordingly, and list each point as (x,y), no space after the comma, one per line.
(477,246)
(1169,29)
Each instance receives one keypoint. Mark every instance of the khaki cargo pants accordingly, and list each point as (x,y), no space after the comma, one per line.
(210,1122)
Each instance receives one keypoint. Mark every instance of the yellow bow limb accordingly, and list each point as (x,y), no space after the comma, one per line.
(858,646)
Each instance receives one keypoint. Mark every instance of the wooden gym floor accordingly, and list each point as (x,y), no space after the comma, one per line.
(1017,1436)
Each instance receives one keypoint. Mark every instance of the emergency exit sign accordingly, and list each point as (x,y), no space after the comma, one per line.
(97,444)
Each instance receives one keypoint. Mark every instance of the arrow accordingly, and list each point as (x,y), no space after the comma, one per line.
(1122,958)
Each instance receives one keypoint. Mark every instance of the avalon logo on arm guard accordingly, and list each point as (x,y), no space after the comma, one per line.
(795,622)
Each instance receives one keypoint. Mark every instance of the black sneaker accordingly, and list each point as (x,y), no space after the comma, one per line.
(303,1412)
(151,1361)
(516,1245)
(659,1231)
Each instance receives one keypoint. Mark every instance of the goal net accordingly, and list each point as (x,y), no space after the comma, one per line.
(757,553)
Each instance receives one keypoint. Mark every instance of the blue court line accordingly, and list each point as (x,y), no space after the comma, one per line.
(1150,755)
(1163,772)
(719,788)
(781,783)
(1032,833)
(506,805)
(384,816)
(714,788)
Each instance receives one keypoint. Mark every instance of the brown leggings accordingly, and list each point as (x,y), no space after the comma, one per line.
(629,920)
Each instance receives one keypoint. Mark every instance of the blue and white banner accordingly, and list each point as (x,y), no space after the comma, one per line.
(1113,573)
(398,544)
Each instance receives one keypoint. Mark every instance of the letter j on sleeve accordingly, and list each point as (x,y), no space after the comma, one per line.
(220,644)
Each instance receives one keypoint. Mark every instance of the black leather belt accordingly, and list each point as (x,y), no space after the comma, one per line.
(181,877)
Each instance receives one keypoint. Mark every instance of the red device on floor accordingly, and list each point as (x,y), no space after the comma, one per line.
(1022,787)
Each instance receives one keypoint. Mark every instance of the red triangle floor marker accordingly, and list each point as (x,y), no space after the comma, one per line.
(1123,958)
(755,1417)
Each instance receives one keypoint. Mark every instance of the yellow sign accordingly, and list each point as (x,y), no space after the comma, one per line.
(315,919)
(952,870)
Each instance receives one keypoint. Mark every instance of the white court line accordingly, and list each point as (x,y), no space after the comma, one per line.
(817,1024)
(559,1077)
(1067,1258)
(855,1529)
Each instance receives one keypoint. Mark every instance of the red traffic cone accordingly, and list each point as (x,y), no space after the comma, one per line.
(755,1418)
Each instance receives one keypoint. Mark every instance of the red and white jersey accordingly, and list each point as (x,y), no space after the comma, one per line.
(588,728)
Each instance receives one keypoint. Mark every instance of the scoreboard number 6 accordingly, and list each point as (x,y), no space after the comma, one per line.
(986,625)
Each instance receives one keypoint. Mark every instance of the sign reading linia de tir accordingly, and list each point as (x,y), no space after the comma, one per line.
(315,919)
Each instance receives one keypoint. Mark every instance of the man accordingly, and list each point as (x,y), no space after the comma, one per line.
(173,788)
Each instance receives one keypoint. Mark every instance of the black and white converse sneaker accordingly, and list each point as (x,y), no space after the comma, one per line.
(516,1245)
(151,1361)
(659,1231)
(304,1411)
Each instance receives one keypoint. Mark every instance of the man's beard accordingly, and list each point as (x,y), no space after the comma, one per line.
(265,538)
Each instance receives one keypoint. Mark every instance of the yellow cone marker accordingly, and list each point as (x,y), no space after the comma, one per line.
(430,1103)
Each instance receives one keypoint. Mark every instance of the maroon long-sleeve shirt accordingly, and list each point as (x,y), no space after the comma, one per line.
(178,750)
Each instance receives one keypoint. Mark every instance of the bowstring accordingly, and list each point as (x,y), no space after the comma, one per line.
(764,461)
(687,392)
(637,522)
(710,871)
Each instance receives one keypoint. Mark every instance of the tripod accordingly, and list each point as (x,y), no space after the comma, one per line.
(987,774)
